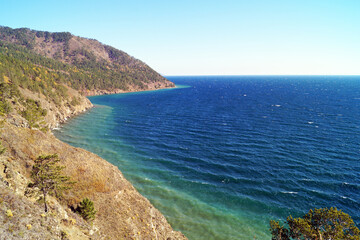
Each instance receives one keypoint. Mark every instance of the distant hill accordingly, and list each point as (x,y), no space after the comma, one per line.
(83,64)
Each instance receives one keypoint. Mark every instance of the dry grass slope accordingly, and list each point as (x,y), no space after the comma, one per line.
(122,212)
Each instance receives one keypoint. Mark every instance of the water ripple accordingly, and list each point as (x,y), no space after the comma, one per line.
(220,164)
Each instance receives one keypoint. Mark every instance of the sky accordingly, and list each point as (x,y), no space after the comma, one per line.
(206,37)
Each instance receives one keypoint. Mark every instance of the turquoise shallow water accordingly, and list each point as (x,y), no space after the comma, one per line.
(221,156)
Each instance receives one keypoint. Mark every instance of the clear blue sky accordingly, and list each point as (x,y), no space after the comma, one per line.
(201,37)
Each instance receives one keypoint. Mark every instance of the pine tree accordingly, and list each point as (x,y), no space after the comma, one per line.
(48,178)
(318,224)
(33,113)
(86,209)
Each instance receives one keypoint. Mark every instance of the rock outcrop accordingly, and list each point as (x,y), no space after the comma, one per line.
(57,114)
(149,87)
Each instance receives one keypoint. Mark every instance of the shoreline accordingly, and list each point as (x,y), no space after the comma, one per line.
(106,92)
(156,216)
(92,93)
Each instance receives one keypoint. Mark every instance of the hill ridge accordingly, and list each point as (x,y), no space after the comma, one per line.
(100,68)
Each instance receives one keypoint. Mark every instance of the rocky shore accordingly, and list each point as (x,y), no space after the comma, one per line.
(149,87)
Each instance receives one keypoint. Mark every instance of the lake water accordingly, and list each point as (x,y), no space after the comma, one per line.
(221,156)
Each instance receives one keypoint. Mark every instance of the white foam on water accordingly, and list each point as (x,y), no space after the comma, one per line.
(289,192)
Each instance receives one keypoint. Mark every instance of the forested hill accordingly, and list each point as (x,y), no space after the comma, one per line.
(83,64)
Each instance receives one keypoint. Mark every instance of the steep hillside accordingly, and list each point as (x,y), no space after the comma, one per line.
(94,68)
(35,95)
(49,67)
(122,213)
(42,76)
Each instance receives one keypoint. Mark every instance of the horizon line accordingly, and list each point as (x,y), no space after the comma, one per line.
(268,75)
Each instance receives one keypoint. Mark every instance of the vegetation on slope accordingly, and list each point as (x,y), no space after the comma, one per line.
(121,212)
(5,92)
(84,64)
(45,80)
(50,65)
(21,68)
(48,179)
(317,224)
(86,209)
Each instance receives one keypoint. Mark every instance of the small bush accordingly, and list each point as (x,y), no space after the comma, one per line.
(9,213)
(86,209)
(5,107)
(5,92)
(64,235)
(2,149)
(75,101)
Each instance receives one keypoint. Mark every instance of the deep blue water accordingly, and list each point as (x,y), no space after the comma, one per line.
(224,155)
